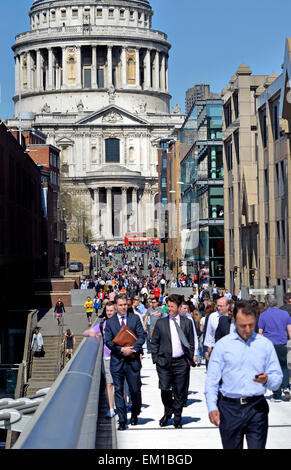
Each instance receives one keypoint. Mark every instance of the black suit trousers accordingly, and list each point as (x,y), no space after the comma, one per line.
(174,378)
(134,384)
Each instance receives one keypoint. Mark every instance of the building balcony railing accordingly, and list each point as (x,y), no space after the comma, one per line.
(92,30)
(201,117)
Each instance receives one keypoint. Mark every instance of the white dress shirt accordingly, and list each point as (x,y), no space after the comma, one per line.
(196,341)
(177,349)
(120,318)
(212,325)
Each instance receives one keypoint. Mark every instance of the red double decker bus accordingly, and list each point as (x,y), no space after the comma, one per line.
(140,239)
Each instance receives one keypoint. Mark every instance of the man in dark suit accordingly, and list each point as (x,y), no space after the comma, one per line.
(223,327)
(122,365)
(172,347)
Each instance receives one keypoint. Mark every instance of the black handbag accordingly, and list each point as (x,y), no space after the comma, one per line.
(40,353)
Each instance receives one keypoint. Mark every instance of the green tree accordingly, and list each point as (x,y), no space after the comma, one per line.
(77,218)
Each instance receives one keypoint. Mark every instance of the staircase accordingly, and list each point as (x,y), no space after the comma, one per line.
(45,369)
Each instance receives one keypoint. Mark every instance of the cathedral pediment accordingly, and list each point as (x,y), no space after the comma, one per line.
(113,171)
(112,115)
(64,141)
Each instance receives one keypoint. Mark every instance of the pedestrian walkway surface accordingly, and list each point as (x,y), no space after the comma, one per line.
(197,431)
(76,322)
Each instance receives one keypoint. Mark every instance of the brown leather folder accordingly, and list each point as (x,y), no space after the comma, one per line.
(125,337)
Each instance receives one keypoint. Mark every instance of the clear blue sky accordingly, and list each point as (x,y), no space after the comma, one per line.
(209,39)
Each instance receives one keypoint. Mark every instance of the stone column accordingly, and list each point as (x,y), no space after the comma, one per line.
(148,69)
(64,67)
(163,73)
(38,70)
(123,225)
(50,68)
(96,214)
(94,67)
(157,71)
(28,62)
(137,68)
(123,68)
(109,213)
(134,210)
(17,74)
(79,67)
(109,66)
(167,74)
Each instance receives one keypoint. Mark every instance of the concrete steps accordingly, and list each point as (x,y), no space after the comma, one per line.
(44,369)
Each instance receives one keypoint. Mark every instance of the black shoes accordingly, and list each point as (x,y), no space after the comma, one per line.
(133,420)
(178,425)
(121,427)
(164,420)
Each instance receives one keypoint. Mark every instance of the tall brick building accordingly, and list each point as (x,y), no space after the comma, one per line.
(20,237)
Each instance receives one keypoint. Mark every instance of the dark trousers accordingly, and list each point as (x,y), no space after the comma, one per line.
(282,351)
(148,340)
(173,383)
(237,421)
(134,384)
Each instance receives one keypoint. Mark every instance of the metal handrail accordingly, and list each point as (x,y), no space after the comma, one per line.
(25,367)
(60,364)
(67,417)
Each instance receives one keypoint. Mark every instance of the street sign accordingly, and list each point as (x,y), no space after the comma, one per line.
(262,291)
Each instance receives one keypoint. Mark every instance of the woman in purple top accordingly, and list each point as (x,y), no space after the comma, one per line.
(97,331)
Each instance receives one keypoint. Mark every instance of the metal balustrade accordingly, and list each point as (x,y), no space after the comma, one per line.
(67,416)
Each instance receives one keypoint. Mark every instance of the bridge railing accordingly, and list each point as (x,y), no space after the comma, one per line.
(67,417)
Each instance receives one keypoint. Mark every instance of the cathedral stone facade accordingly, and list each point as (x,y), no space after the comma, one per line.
(93,76)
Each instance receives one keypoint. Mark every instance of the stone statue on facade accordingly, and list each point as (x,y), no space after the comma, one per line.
(111,94)
(176,109)
(46,109)
(80,106)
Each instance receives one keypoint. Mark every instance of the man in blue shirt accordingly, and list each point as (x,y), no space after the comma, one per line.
(275,324)
(242,365)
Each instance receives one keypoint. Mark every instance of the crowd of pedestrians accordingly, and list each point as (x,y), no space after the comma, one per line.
(241,343)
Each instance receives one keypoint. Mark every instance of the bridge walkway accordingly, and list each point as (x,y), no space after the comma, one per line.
(197,431)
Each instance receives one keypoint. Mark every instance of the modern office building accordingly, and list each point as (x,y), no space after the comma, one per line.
(93,76)
(202,207)
(196,93)
(256,137)
(169,203)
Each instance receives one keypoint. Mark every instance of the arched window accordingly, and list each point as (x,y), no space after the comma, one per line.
(112,151)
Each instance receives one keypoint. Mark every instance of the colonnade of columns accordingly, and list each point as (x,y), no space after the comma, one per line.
(92,66)
(114,216)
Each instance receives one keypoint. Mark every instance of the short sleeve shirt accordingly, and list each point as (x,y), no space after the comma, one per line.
(273,322)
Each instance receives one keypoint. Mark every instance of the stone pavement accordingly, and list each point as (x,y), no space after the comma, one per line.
(197,431)
(76,322)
